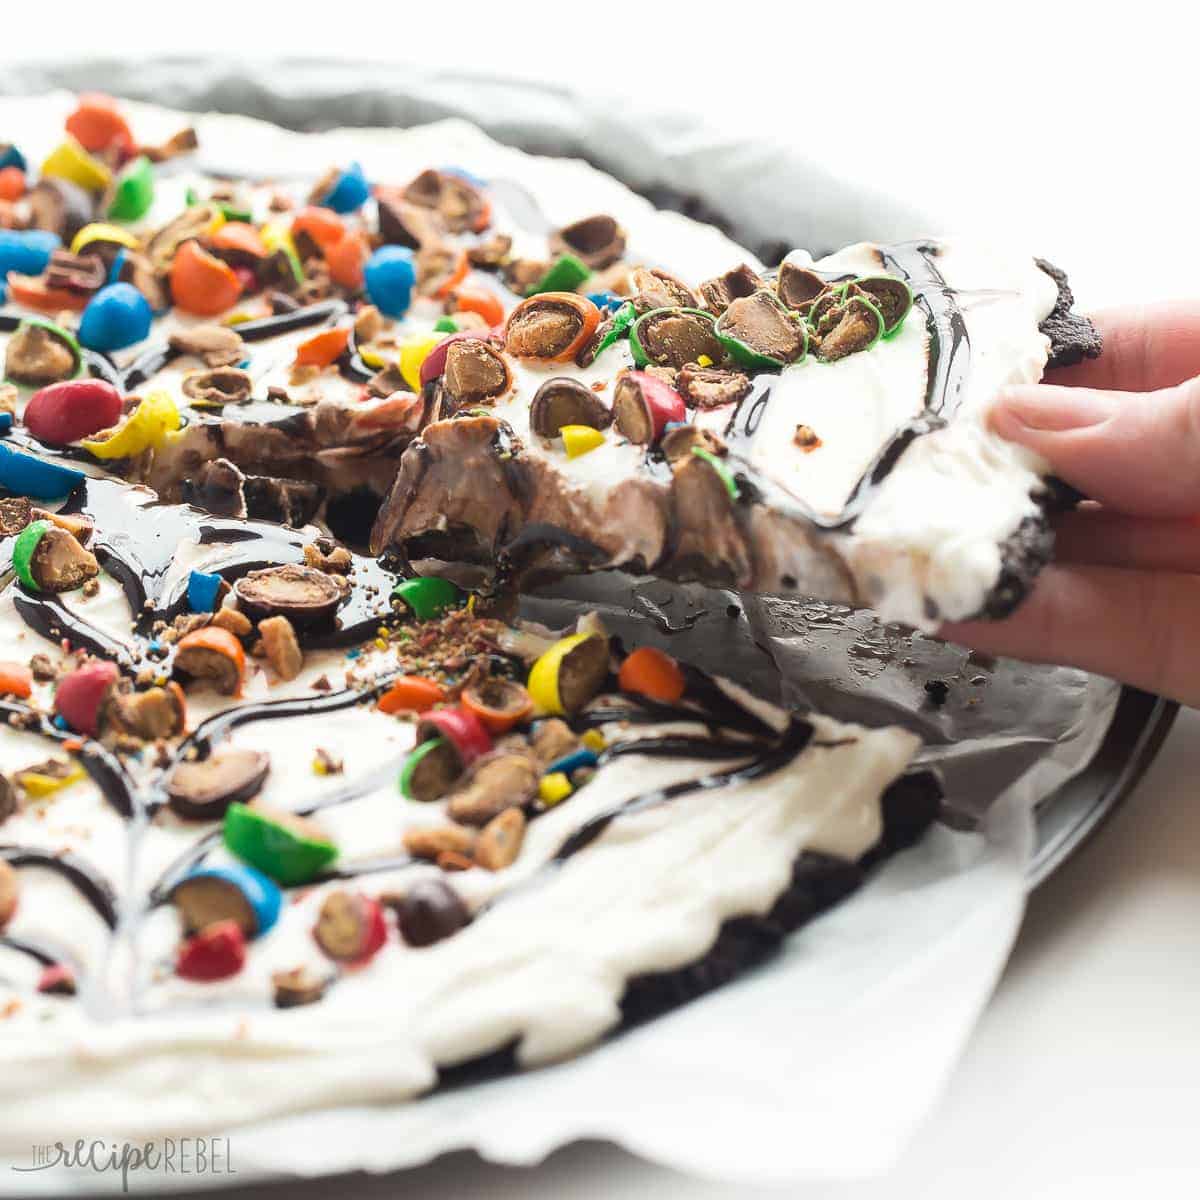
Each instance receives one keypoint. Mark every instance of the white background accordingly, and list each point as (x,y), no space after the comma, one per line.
(1073,124)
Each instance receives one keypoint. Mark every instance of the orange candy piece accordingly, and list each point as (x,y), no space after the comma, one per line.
(241,238)
(476,300)
(323,225)
(97,125)
(346,260)
(12,183)
(16,679)
(219,641)
(412,693)
(201,283)
(322,348)
(30,291)
(454,278)
(650,672)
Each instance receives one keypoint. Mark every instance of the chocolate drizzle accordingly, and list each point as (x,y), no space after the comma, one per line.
(81,875)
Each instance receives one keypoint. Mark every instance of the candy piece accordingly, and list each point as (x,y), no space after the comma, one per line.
(70,161)
(350,927)
(411,693)
(25,475)
(319,225)
(323,348)
(644,406)
(430,771)
(413,352)
(459,202)
(214,655)
(597,241)
(42,352)
(201,283)
(570,763)
(594,740)
(760,334)
(445,325)
(16,679)
(564,401)
(104,239)
(347,262)
(461,728)
(674,337)
(500,841)
(72,409)
(797,286)
(26,251)
(390,275)
(552,326)
(47,558)
(204,591)
(347,190)
(554,788)
(10,892)
(427,596)
(506,779)
(217,952)
(49,777)
(854,325)
(431,842)
(116,317)
(723,472)
(565,275)
(281,647)
(202,789)
(580,439)
(134,192)
(79,694)
(156,712)
(219,386)
(440,269)
(57,979)
(145,428)
(893,297)
(483,303)
(430,911)
(12,183)
(650,672)
(569,674)
(299,986)
(475,373)
(304,595)
(37,293)
(498,703)
(434,364)
(96,124)
(290,849)
(208,895)
(10,156)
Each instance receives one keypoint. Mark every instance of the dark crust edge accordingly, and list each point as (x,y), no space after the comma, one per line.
(910,806)
(1073,337)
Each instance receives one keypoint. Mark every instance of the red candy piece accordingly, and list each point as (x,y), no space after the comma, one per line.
(462,728)
(434,363)
(57,979)
(351,928)
(12,183)
(76,408)
(216,952)
(78,696)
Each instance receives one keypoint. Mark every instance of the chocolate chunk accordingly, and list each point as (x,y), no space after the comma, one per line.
(299,986)
(582,672)
(711,387)
(564,401)
(203,789)
(60,206)
(282,648)
(388,380)
(436,264)
(83,274)
(36,356)
(157,712)
(475,372)
(498,781)
(806,437)
(459,203)
(217,488)
(303,595)
(553,739)
(797,286)
(193,222)
(492,254)
(721,291)
(848,328)
(291,502)
(431,842)
(149,280)
(404,224)
(229,618)
(60,563)
(678,443)
(15,513)
(761,324)
(221,385)
(674,337)
(500,841)
(428,912)
(182,142)
(596,241)
(215,345)
(368,324)
(660,289)
(520,274)
(343,929)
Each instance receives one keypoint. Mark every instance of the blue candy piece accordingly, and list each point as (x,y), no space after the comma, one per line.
(118,265)
(463,173)
(10,156)
(262,894)
(203,590)
(26,251)
(570,763)
(350,191)
(117,316)
(3,292)
(609,301)
(24,475)
(6,423)
(390,276)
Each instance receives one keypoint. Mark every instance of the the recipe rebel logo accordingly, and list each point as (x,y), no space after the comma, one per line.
(184,1156)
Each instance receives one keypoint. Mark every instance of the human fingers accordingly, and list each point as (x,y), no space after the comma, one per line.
(1098,537)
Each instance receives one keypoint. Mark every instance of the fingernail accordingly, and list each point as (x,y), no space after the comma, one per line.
(1049,410)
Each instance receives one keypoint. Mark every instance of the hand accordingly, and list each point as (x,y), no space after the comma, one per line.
(1123,597)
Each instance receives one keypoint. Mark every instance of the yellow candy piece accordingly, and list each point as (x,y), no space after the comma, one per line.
(704,361)
(579,439)
(593,739)
(413,352)
(318,766)
(147,426)
(543,675)
(69,160)
(39,786)
(239,316)
(554,787)
(101,231)
(373,358)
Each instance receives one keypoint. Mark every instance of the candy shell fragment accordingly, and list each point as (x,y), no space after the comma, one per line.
(239,893)
(24,475)
(290,849)
(217,952)
(427,596)
(133,195)
(145,428)
(116,317)
(580,439)
(46,558)
(70,161)
(79,694)
(350,927)
(569,674)
(389,276)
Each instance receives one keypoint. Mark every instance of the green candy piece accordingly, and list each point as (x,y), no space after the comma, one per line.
(445,325)
(64,335)
(286,855)
(412,762)
(427,596)
(23,551)
(190,196)
(723,472)
(750,359)
(640,357)
(233,213)
(134,192)
(622,321)
(877,287)
(565,275)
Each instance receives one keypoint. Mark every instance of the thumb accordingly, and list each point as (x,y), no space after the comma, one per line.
(1137,453)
